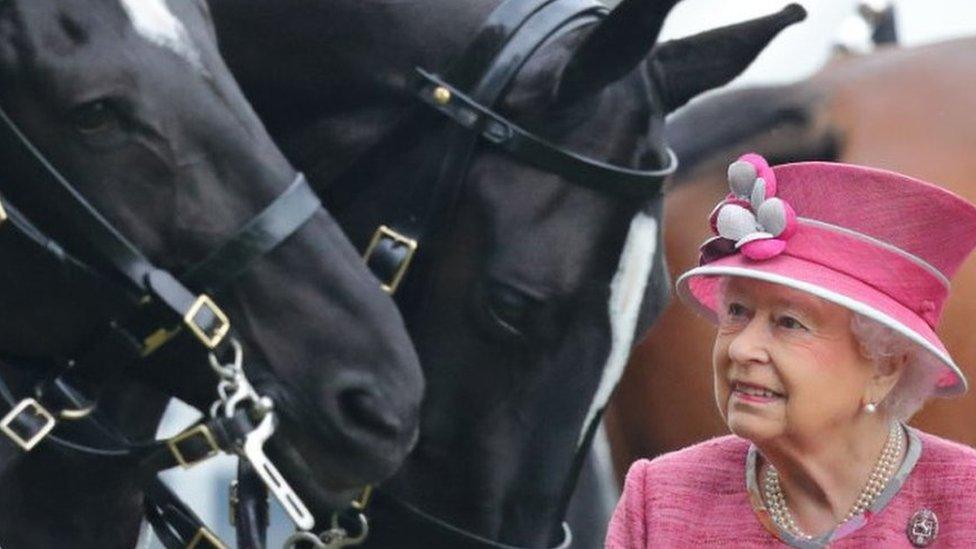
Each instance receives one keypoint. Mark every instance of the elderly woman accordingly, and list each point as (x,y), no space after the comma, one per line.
(826,282)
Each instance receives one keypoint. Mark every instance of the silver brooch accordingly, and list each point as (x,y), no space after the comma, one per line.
(922,528)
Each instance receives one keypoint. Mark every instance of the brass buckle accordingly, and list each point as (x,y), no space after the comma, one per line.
(209,340)
(385,232)
(201,429)
(27,443)
(203,534)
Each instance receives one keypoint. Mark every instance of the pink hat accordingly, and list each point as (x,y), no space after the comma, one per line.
(879,243)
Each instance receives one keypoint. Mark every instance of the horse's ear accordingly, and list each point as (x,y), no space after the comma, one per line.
(689,66)
(613,48)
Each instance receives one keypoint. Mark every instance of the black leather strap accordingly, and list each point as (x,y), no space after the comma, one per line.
(150,303)
(110,245)
(175,524)
(496,31)
(540,153)
(139,278)
(393,517)
(250,510)
(263,233)
(426,207)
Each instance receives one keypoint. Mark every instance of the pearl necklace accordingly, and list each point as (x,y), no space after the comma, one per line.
(883,470)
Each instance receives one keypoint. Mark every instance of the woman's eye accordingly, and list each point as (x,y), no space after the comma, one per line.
(94,117)
(791,323)
(736,310)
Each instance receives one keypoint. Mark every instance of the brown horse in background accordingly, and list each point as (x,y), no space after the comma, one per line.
(908,110)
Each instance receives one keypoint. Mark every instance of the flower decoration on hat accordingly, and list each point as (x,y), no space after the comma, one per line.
(751,220)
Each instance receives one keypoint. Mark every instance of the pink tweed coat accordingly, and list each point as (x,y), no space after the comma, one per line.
(698,497)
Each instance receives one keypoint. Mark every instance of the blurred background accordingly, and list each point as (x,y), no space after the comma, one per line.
(804,48)
(796,54)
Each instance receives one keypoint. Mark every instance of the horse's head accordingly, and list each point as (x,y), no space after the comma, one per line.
(131,101)
(546,283)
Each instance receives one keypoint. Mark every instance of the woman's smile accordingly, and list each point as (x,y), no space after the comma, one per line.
(750,393)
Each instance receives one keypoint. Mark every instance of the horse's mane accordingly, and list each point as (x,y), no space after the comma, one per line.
(778,122)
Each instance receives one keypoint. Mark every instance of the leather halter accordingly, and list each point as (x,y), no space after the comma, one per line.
(149,308)
(514,31)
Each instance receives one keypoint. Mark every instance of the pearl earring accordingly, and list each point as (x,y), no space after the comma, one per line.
(870,408)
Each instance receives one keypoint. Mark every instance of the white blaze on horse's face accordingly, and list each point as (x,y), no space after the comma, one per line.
(154,21)
(626,296)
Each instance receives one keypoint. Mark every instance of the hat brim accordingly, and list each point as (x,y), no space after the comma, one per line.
(698,288)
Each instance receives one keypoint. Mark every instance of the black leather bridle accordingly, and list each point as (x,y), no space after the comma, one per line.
(509,37)
(150,308)
(458,109)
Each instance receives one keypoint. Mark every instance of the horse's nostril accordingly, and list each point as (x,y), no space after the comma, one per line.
(366,410)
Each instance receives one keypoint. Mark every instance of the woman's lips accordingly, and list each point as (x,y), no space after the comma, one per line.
(756,394)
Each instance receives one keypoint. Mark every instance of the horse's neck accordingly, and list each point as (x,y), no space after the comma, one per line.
(58,498)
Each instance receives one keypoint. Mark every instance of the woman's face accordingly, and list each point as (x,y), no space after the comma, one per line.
(786,363)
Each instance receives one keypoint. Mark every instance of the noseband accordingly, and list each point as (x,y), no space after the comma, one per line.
(152,308)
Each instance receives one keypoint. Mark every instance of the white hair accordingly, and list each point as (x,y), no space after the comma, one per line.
(917,383)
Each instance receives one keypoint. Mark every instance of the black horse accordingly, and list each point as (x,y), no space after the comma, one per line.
(132,103)
(526,304)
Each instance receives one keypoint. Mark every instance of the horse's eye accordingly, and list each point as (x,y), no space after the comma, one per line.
(508,310)
(94,116)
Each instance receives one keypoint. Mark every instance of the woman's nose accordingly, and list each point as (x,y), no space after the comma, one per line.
(750,344)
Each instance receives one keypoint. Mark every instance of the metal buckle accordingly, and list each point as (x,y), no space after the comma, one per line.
(205,535)
(201,429)
(27,443)
(209,340)
(385,232)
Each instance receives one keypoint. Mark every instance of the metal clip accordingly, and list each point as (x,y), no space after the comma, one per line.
(253,451)
(234,388)
(27,444)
